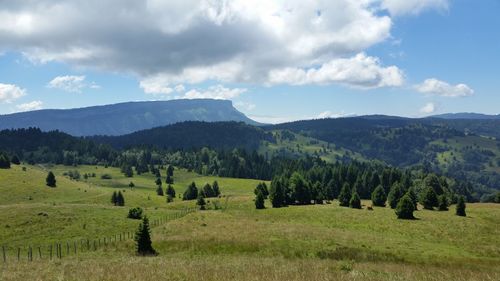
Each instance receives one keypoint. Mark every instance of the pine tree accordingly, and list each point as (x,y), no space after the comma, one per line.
(114,198)
(159,190)
(15,160)
(379,197)
(4,161)
(460,211)
(215,187)
(259,200)
(51,179)
(143,239)
(169,180)
(201,201)
(345,195)
(170,171)
(405,208)
(158,182)
(300,189)
(395,194)
(120,200)
(355,201)
(170,191)
(208,192)
(442,203)
(261,187)
(277,193)
(191,192)
(413,196)
(429,199)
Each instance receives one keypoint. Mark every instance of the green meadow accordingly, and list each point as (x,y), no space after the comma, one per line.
(236,242)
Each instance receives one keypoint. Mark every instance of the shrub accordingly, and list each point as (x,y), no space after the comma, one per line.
(135,213)
(201,201)
(106,177)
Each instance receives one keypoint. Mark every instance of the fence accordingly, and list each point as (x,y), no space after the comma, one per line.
(59,250)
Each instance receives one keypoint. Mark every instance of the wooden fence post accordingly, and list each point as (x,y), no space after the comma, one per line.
(18,254)
(4,254)
(50,251)
(40,252)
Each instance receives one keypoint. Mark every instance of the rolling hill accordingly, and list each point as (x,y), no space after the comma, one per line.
(124,118)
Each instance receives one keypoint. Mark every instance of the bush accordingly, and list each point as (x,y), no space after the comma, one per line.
(405,208)
(106,177)
(135,213)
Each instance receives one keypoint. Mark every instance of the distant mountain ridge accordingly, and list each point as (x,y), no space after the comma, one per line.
(467,115)
(125,118)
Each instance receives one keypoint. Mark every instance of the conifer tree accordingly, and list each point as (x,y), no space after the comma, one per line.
(143,239)
(345,195)
(208,192)
(15,160)
(120,200)
(201,201)
(158,182)
(51,179)
(300,189)
(405,208)
(170,191)
(114,199)
(277,193)
(169,180)
(215,187)
(191,192)
(159,190)
(395,194)
(379,197)
(262,187)
(429,199)
(442,203)
(355,201)
(259,200)
(170,170)
(4,161)
(460,209)
(413,196)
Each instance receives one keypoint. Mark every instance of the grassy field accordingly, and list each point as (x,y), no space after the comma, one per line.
(316,242)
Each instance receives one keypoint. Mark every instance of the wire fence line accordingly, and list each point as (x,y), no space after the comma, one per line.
(65,248)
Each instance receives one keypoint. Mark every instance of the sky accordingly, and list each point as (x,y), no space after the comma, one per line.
(276,60)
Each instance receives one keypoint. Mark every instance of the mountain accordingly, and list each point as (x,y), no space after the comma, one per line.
(124,118)
(467,115)
(192,134)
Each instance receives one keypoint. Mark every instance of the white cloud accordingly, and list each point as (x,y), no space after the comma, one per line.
(10,93)
(215,92)
(68,83)
(428,108)
(403,7)
(436,87)
(359,71)
(329,114)
(191,41)
(34,105)
(247,106)
(273,119)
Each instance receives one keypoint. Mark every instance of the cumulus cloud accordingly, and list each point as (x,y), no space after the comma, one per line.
(248,106)
(68,83)
(215,92)
(437,87)
(190,41)
(34,105)
(359,71)
(402,7)
(428,108)
(10,93)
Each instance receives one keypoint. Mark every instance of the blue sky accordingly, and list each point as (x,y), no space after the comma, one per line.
(277,62)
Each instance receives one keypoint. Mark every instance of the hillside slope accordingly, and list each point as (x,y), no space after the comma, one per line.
(124,118)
